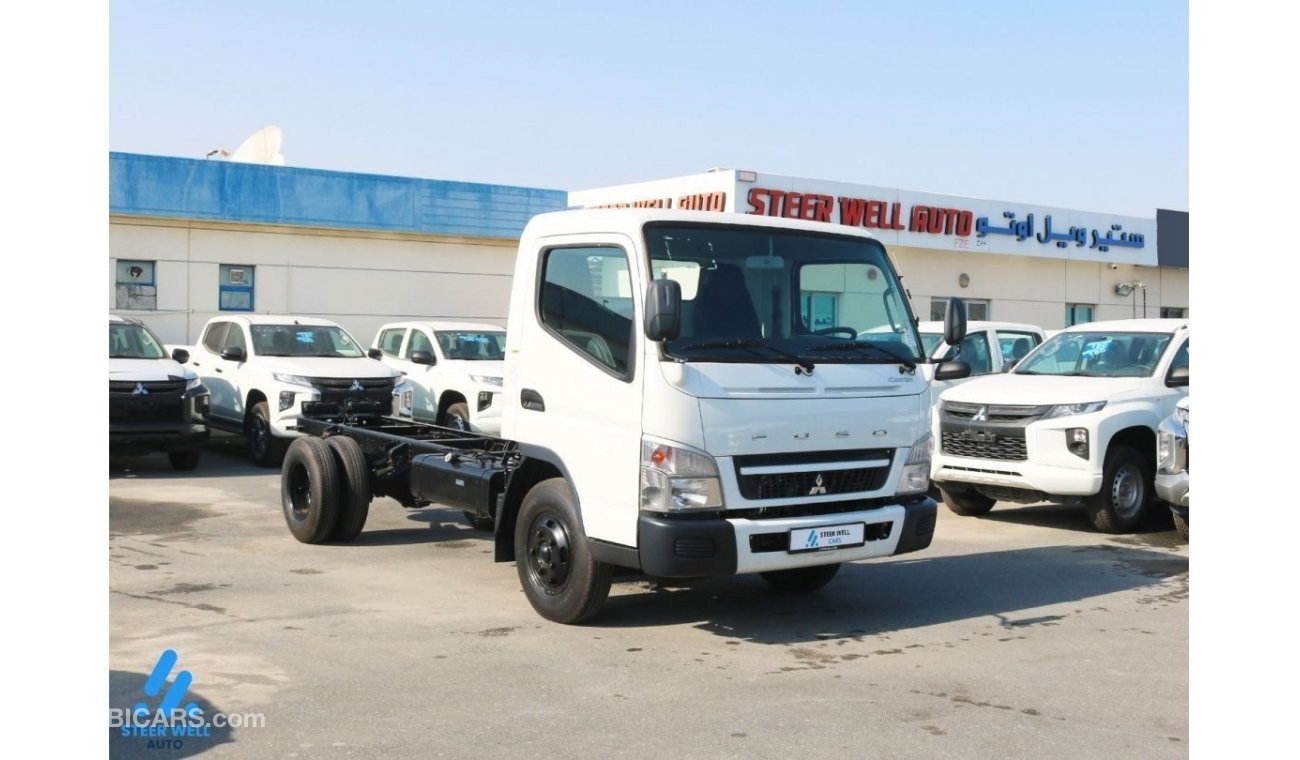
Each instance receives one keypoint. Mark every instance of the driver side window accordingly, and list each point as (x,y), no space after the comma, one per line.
(974,350)
(419,342)
(585,301)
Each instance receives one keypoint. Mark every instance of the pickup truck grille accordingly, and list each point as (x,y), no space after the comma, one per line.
(338,389)
(789,476)
(984,445)
(992,412)
(150,387)
(146,401)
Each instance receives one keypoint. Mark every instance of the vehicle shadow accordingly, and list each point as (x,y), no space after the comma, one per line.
(223,456)
(1068,517)
(444,526)
(874,598)
(125,690)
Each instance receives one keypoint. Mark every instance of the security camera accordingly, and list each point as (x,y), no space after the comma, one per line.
(1114,266)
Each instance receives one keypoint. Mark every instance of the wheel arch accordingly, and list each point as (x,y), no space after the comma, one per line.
(538,464)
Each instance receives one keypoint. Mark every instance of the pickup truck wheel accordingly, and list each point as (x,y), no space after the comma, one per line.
(560,578)
(265,449)
(354,487)
(309,490)
(1180,525)
(801,580)
(456,417)
(968,504)
(1125,491)
(184,460)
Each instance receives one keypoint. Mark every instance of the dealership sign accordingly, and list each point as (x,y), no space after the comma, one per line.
(900,217)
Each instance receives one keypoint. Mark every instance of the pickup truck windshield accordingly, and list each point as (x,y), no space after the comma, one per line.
(472,346)
(1097,354)
(128,341)
(799,294)
(304,340)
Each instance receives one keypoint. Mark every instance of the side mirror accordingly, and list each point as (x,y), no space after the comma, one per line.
(375,353)
(663,310)
(1179,377)
(234,354)
(180,355)
(953,370)
(422,357)
(954,321)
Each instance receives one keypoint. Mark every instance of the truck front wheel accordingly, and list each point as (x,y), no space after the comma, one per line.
(969,503)
(801,580)
(560,578)
(1125,490)
(309,490)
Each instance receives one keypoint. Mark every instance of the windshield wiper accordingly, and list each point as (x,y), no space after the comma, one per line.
(752,345)
(856,345)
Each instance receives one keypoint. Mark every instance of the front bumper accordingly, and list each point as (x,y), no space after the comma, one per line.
(688,547)
(1021,475)
(144,437)
(1173,488)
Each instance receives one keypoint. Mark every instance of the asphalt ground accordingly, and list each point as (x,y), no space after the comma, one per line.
(1020,634)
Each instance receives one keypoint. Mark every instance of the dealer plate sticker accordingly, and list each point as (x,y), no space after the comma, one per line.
(827,538)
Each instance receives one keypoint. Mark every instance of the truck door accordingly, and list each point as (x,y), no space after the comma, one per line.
(579,380)
(425,377)
(207,363)
(231,375)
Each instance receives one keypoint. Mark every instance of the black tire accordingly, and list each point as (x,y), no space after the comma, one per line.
(1125,491)
(354,488)
(265,449)
(970,503)
(560,578)
(478,523)
(457,416)
(1180,525)
(309,490)
(184,460)
(801,580)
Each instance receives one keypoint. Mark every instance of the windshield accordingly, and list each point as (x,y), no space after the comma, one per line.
(1097,354)
(472,345)
(778,294)
(130,341)
(304,340)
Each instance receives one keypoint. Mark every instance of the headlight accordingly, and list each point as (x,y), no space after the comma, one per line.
(916,471)
(291,379)
(1069,410)
(1171,448)
(675,479)
(403,400)
(486,380)
(1181,415)
(192,384)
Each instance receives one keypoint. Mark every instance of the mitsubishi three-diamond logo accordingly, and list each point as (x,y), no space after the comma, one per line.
(140,390)
(818,487)
(357,386)
(982,415)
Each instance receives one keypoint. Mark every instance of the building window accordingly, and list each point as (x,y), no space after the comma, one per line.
(975,310)
(820,310)
(235,289)
(1078,313)
(1173,312)
(136,289)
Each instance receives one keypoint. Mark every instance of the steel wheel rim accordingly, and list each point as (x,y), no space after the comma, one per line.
(457,422)
(549,553)
(1126,491)
(299,493)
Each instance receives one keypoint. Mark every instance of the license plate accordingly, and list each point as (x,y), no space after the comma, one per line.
(827,538)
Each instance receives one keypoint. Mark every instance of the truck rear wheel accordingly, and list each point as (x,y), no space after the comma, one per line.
(967,504)
(184,460)
(1125,490)
(560,578)
(265,449)
(801,580)
(309,490)
(354,488)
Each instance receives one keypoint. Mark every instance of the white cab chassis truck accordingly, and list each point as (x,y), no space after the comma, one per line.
(685,395)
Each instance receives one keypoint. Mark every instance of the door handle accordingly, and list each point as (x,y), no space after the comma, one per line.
(531,399)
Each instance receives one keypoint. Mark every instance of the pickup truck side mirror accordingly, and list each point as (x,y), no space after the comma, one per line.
(663,310)
(1179,377)
(180,355)
(422,357)
(954,322)
(953,370)
(233,353)
(375,353)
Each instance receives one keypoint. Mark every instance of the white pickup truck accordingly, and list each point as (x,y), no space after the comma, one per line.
(667,409)
(1075,421)
(260,369)
(455,371)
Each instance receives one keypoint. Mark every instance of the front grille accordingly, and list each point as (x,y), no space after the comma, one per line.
(172,386)
(804,479)
(993,412)
(984,445)
(339,389)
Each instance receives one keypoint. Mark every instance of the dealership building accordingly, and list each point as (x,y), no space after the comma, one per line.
(192,238)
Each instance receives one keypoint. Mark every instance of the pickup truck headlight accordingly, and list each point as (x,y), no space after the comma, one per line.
(1069,410)
(291,379)
(1171,447)
(916,471)
(676,479)
(486,379)
(193,384)
(403,400)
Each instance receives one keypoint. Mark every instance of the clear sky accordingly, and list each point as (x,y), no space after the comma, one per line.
(1080,104)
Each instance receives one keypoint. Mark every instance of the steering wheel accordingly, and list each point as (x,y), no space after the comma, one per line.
(848,331)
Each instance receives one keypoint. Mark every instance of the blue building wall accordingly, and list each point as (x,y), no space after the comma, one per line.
(185,188)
